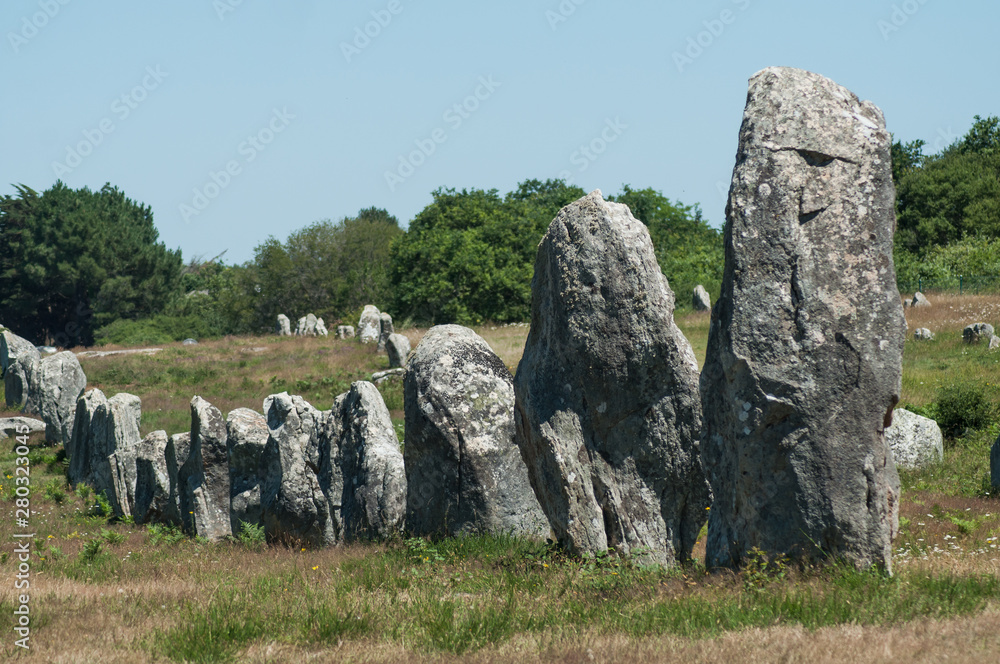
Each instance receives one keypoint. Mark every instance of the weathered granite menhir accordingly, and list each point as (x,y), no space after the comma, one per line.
(805,347)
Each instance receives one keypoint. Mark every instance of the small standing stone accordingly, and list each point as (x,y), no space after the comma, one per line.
(919,300)
(700,300)
(345,331)
(923,334)
(284,326)
(398,349)
(370,325)
(915,440)
(994,342)
(977,332)
(385,329)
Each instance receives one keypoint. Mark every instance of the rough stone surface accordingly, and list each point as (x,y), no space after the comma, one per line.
(284,326)
(294,504)
(370,325)
(155,501)
(19,360)
(464,472)
(923,334)
(11,427)
(994,342)
(608,410)
(700,300)
(977,332)
(373,501)
(397,346)
(203,479)
(380,377)
(385,330)
(246,437)
(915,440)
(308,326)
(805,347)
(321,330)
(55,386)
(919,300)
(345,331)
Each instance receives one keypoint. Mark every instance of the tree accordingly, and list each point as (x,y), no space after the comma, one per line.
(72,260)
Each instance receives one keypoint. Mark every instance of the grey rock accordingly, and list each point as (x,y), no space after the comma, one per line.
(19,360)
(189,342)
(12,427)
(385,329)
(294,505)
(370,325)
(915,441)
(373,500)
(923,334)
(321,330)
(284,326)
(203,479)
(155,484)
(463,469)
(307,326)
(608,411)
(397,346)
(977,332)
(47,350)
(919,300)
(52,394)
(805,346)
(345,331)
(994,342)
(380,377)
(247,435)
(700,300)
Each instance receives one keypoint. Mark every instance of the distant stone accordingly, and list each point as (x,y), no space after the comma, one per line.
(380,377)
(284,326)
(385,330)
(345,331)
(915,441)
(370,325)
(247,435)
(464,472)
(398,348)
(52,394)
(19,360)
(307,326)
(47,350)
(203,479)
(11,427)
(190,342)
(919,300)
(700,300)
(321,330)
(155,501)
(977,332)
(608,411)
(994,342)
(923,334)
(804,359)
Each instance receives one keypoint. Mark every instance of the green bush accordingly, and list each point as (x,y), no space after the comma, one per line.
(961,408)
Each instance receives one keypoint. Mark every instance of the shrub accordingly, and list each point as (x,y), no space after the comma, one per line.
(961,408)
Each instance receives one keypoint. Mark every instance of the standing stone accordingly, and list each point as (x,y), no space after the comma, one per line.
(284,327)
(994,342)
(246,438)
(608,411)
(79,449)
(977,332)
(463,469)
(345,331)
(923,334)
(915,441)
(307,326)
(19,360)
(919,300)
(370,325)
(700,300)
(398,349)
(294,505)
(321,330)
(203,479)
(805,346)
(385,329)
(55,386)
(154,500)
(103,446)
(373,499)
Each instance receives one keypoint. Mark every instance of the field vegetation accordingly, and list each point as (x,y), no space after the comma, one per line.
(107,591)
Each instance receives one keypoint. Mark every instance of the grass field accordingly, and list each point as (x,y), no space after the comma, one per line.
(117,592)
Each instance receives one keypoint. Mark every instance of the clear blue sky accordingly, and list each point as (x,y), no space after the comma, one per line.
(161,95)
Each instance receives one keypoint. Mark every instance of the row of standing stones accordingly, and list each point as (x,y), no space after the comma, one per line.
(374,326)
(607,436)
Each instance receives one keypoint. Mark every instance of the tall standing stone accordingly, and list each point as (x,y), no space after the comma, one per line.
(608,411)
(54,388)
(203,478)
(284,326)
(385,330)
(247,435)
(398,349)
(19,361)
(464,472)
(370,325)
(805,346)
(154,500)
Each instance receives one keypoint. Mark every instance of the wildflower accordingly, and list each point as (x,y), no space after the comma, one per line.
(316,568)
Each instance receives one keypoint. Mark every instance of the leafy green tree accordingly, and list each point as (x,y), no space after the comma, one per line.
(71,260)
(905,158)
